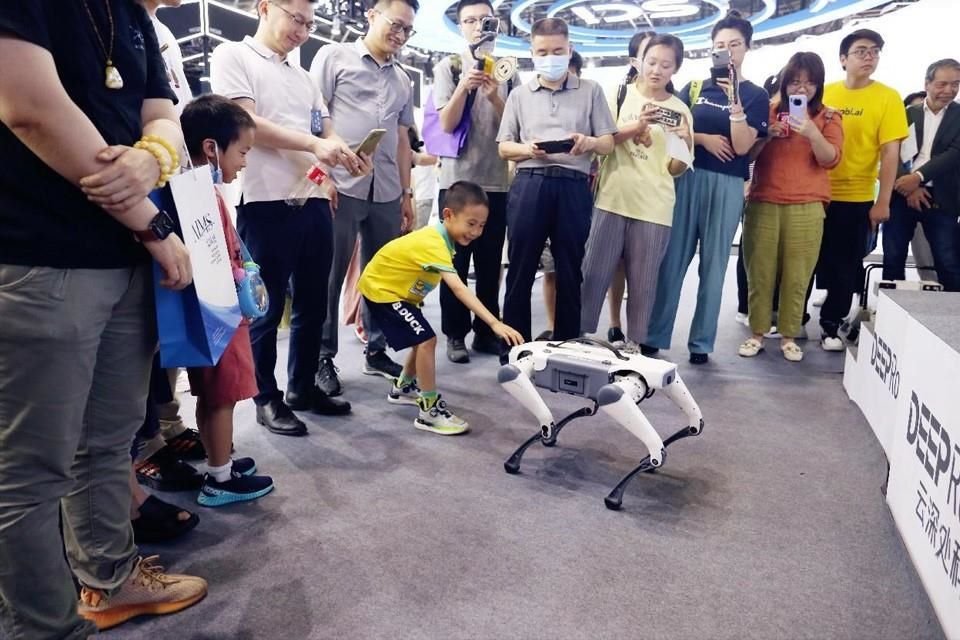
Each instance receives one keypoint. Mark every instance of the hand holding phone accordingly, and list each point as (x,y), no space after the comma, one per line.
(369,144)
(556,146)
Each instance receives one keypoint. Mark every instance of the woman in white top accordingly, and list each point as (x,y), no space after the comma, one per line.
(635,195)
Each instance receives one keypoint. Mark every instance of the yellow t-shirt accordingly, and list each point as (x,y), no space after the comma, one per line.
(409,267)
(872,117)
(634,180)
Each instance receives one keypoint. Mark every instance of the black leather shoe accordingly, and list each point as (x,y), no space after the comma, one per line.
(699,358)
(318,402)
(278,418)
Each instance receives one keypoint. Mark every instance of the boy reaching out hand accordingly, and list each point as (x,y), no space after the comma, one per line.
(399,277)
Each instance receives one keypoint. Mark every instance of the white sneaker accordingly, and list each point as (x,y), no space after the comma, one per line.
(440,420)
(819,301)
(773,333)
(831,343)
(742,319)
(407,394)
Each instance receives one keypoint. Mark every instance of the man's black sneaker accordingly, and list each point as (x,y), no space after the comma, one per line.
(488,344)
(544,335)
(278,418)
(237,489)
(327,379)
(699,358)
(615,335)
(457,351)
(379,363)
(188,446)
(648,351)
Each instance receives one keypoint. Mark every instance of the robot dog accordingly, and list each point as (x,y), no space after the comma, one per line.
(616,381)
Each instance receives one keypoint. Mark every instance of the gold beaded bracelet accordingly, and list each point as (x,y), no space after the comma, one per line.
(164,153)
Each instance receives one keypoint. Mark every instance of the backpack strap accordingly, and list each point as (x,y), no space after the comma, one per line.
(695,87)
(456,68)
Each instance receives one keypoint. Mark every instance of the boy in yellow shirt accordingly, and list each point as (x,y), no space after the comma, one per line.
(398,278)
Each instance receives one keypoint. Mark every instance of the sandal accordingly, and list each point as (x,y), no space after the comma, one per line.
(187,445)
(792,352)
(750,347)
(163,471)
(160,521)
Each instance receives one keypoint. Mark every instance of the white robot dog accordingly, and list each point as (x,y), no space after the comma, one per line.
(617,382)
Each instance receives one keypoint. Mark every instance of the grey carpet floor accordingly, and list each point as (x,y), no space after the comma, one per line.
(769,525)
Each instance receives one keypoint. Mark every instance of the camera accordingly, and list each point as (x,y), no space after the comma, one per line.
(490,24)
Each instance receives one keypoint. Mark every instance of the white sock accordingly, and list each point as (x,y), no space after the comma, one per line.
(220,474)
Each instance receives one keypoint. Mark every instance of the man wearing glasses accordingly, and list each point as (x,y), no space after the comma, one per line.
(481,98)
(365,88)
(874,123)
(292,244)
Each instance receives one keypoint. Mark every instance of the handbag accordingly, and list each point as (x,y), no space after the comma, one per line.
(196,324)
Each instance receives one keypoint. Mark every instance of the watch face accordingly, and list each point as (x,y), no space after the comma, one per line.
(162,225)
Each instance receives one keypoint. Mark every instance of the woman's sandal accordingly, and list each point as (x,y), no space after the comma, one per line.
(750,348)
(160,521)
(163,471)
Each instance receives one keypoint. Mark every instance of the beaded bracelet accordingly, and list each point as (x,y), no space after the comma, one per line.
(740,118)
(165,155)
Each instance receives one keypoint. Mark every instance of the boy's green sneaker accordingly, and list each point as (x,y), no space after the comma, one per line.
(438,419)
(406,394)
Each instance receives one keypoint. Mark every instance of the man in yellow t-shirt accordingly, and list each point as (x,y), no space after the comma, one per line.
(874,123)
(399,277)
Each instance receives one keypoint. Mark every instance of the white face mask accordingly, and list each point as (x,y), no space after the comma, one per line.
(551,68)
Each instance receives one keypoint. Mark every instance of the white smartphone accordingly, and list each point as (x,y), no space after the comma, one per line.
(797,107)
(369,144)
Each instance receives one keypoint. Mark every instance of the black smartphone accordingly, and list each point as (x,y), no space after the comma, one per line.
(556,146)
(735,86)
(721,64)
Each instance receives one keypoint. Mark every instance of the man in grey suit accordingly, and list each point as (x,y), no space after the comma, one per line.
(926,188)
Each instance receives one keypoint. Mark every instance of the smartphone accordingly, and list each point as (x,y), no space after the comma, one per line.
(721,64)
(490,24)
(556,146)
(797,107)
(785,119)
(667,117)
(369,144)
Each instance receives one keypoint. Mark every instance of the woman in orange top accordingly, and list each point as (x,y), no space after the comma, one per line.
(783,223)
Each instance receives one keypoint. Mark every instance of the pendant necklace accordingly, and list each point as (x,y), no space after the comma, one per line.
(112,78)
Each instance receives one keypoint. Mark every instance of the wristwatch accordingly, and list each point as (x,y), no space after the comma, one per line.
(159,228)
(408,192)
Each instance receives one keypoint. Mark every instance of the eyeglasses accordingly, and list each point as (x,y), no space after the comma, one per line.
(735,44)
(864,53)
(796,84)
(397,27)
(472,21)
(310,25)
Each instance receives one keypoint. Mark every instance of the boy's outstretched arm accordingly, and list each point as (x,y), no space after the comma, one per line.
(470,300)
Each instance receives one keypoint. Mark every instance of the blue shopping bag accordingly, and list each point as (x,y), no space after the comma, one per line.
(195,325)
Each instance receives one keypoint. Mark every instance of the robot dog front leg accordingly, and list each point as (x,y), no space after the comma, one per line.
(515,379)
(619,400)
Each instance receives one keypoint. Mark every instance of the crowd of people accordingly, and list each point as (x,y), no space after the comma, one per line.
(605,188)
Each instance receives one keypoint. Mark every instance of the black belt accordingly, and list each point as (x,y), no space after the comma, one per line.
(554,172)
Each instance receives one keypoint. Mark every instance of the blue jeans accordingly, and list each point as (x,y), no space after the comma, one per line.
(706,213)
(942,232)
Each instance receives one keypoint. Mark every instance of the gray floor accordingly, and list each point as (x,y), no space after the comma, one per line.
(769,525)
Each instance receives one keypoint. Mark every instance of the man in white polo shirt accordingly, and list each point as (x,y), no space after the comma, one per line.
(292,244)
(365,88)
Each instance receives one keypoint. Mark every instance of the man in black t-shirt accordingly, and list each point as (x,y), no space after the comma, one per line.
(81,82)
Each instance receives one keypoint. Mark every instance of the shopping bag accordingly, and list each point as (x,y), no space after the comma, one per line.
(437,141)
(195,324)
